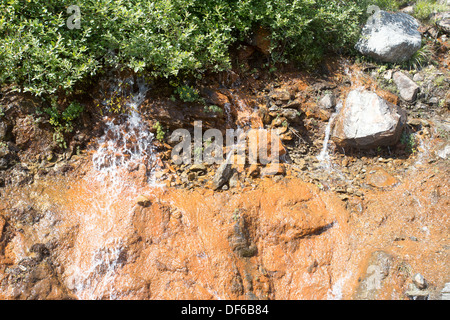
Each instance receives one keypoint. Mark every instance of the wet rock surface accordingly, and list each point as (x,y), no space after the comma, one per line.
(277,241)
(354,224)
(377,271)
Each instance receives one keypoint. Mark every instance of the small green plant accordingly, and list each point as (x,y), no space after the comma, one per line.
(160,133)
(2,111)
(213,108)
(382,69)
(439,81)
(187,93)
(421,58)
(62,122)
(236,215)
(409,141)
(424,8)
(72,112)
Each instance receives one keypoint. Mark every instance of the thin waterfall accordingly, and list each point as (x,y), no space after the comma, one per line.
(127,142)
(125,149)
(324,157)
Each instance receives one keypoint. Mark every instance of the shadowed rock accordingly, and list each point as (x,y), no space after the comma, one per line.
(223,174)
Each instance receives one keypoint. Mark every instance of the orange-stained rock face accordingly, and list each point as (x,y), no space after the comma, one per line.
(281,240)
(178,246)
(360,230)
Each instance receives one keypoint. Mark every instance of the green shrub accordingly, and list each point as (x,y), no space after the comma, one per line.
(424,8)
(62,122)
(187,93)
(163,38)
(213,108)
(160,133)
(390,5)
(38,52)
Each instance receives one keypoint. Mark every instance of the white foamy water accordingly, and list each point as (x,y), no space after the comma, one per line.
(127,143)
(96,282)
(124,159)
(336,291)
(324,156)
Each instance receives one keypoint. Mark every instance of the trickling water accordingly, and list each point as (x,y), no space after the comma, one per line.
(246,116)
(127,143)
(424,152)
(123,161)
(228,114)
(97,280)
(335,293)
(324,157)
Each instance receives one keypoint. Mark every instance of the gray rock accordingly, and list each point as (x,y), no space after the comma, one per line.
(444,153)
(290,114)
(4,164)
(408,10)
(420,281)
(6,156)
(445,292)
(234,180)
(433,100)
(416,294)
(367,121)
(328,101)
(387,75)
(408,89)
(223,174)
(3,130)
(442,20)
(390,37)
(418,77)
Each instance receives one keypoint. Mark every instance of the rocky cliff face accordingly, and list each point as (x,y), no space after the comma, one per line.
(112,216)
(67,239)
